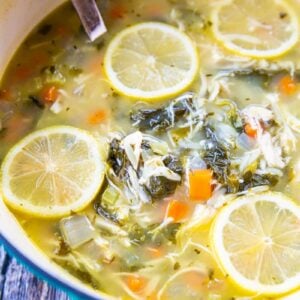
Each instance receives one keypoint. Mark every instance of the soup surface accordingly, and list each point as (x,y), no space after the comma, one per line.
(172,163)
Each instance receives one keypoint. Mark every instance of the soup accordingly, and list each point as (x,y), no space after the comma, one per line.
(160,161)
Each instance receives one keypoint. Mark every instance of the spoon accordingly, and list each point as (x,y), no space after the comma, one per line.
(90,17)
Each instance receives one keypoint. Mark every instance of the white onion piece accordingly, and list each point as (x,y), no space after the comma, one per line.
(245,142)
(196,163)
(226,134)
(94,249)
(76,230)
(56,107)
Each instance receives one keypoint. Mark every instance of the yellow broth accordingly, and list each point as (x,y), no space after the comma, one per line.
(58,53)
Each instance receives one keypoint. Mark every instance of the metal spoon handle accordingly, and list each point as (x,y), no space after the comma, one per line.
(90,17)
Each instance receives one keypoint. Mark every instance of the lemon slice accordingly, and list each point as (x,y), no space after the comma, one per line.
(52,172)
(151,61)
(265,29)
(256,240)
(292,296)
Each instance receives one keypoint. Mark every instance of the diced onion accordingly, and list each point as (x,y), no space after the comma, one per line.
(245,142)
(56,107)
(76,230)
(196,163)
(226,134)
(93,249)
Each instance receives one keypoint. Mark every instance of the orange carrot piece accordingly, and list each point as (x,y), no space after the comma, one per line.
(23,72)
(195,280)
(17,126)
(135,282)
(200,184)
(5,94)
(38,58)
(250,131)
(177,210)
(63,31)
(287,85)
(95,65)
(97,117)
(155,8)
(117,12)
(50,93)
(154,252)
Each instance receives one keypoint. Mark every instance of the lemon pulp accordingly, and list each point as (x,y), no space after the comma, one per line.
(256,242)
(151,61)
(52,172)
(266,28)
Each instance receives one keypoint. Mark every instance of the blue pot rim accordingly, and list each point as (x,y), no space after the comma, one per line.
(40,273)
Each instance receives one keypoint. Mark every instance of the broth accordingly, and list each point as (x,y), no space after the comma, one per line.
(58,55)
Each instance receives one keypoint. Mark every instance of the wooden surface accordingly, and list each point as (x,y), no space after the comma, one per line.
(16,283)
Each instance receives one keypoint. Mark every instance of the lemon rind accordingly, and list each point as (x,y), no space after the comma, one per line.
(222,258)
(160,94)
(257,53)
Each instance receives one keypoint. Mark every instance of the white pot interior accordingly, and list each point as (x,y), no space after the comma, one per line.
(17,19)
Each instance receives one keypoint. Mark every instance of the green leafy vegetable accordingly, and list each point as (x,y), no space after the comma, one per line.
(216,157)
(160,187)
(251,180)
(116,156)
(173,163)
(141,235)
(106,213)
(160,119)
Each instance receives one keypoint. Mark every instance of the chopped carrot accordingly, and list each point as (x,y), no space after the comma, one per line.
(287,85)
(23,72)
(117,12)
(195,280)
(16,127)
(177,210)
(5,94)
(155,252)
(62,31)
(50,93)
(95,65)
(250,131)
(39,58)
(155,8)
(200,184)
(136,283)
(97,117)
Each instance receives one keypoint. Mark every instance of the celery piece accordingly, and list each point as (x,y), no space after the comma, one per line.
(109,197)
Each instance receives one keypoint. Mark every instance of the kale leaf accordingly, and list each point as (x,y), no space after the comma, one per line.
(160,119)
